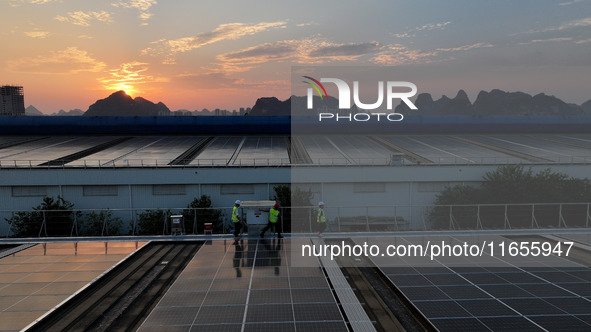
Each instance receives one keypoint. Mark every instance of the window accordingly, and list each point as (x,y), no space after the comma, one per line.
(228,189)
(25,191)
(369,187)
(169,189)
(432,186)
(100,190)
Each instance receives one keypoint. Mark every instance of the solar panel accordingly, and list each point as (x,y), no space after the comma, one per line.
(222,291)
(495,293)
(35,280)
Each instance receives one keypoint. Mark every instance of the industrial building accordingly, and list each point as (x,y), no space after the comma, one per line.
(367,175)
(388,178)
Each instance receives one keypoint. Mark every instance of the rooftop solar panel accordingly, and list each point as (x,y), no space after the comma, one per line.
(37,279)
(495,296)
(234,286)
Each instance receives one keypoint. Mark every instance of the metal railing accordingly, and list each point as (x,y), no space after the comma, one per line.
(392,218)
(276,162)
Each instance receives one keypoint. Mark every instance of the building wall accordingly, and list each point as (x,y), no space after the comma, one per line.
(347,191)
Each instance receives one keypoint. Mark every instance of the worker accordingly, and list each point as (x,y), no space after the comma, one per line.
(273,222)
(236,219)
(321,219)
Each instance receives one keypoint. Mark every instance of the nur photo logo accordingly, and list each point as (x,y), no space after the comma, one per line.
(388,90)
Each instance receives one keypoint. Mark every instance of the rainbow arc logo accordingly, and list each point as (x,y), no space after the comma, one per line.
(316,86)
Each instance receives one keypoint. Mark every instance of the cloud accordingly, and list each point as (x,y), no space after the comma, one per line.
(583,41)
(345,51)
(433,26)
(558,39)
(583,22)
(311,50)
(570,2)
(410,33)
(229,31)
(128,77)
(68,61)
(465,47)
(37,34)
(403,35)
(84,18)
(142,5)
(306,24)
(397,54)
(14,3)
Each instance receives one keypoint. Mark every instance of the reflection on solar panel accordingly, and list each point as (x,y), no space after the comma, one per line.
(250,286)
(496,293)
(35,280)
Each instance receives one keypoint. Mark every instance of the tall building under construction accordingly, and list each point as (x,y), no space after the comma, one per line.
(13,100)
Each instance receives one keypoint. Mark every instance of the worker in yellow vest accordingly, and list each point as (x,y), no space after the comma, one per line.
(321,219)
(236,219)
(273,222)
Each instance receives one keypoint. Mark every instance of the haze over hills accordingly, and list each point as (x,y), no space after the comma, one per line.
(495,102)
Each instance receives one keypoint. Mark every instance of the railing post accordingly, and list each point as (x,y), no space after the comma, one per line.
(367,218)
(533,217)
(43,225)
(588,216)
(560,217)
(451,218)
(194,221)
(506,219)
(104,224)
(75,225)
(395,219)
(339,218)
(310,218)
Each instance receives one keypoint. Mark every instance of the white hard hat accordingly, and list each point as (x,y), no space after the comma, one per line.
(238,202)
(320,203)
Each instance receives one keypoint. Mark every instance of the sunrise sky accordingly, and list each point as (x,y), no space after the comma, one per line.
(225,54)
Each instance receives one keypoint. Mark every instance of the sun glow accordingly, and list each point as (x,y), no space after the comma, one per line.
(127,88)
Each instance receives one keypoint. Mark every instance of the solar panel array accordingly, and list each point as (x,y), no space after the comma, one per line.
(493,293)
(35,280)
(247,286)
(322,150)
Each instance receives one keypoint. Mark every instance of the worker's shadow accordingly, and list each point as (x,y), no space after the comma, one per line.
(238,254)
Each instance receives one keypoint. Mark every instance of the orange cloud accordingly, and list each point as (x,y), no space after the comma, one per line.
(69,61)
(142,5)
(129,77)
(398,54)
(230,31)
(85,18)
(37,34)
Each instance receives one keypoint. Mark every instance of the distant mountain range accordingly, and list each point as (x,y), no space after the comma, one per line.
(495,102)
(32,111)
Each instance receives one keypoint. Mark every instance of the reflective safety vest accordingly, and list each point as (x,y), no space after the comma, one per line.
(321,216)
(235,214)
(273,215)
